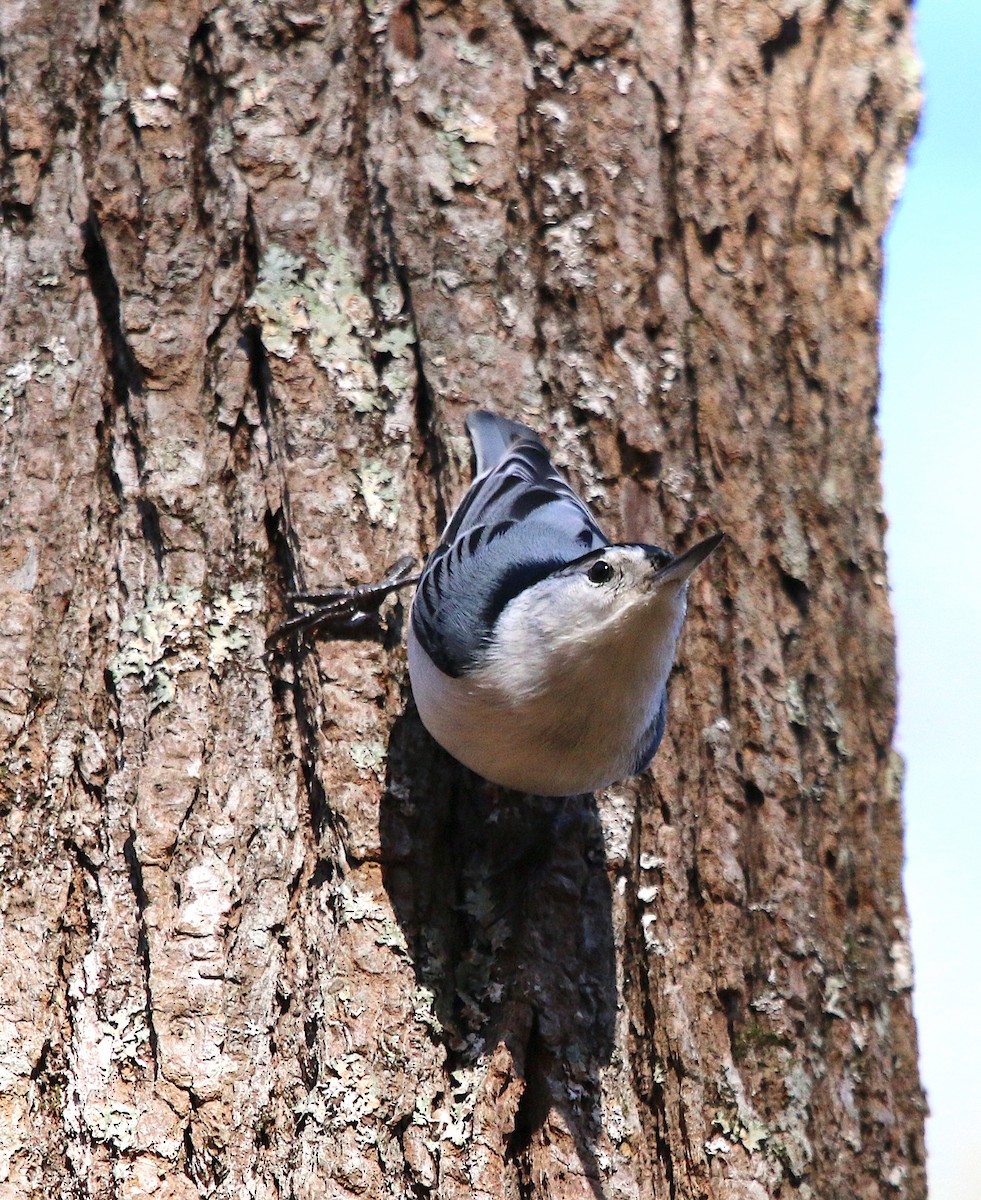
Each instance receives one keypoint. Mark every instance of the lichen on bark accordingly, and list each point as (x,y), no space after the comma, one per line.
(258,935)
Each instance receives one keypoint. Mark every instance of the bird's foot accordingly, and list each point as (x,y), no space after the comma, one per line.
(341,609)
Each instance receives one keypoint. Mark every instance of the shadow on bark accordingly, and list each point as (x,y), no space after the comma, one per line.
(505,904)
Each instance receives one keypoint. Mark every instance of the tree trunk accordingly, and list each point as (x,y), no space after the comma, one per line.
(260,936)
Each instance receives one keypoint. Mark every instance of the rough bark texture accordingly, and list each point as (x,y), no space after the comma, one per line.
(259,936)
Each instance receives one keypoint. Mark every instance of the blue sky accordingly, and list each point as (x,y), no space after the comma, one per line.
(930,417)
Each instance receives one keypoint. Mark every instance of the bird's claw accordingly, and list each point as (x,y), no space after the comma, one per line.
(343,608)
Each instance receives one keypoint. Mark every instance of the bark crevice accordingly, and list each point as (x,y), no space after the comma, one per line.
(135,871)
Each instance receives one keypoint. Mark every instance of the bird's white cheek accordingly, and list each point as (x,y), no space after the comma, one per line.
(530,645)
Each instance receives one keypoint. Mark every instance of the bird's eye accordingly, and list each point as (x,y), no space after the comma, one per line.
(600,572)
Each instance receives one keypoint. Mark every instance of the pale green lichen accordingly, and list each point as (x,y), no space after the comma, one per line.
(467,125)
(226,632)
(796,709)
(462,168)
(455,1123)
(901,954)
(472,53)
(672,364)
(616,1123)
(483,350)
(130,1032)
(39,362)
(424,1009)
(398,374)
(457,129)
(380,492)
(368,756)
(749,1133)
(278,301)
(177,631)
(155,107)
(390,302)
(324,306)
(353,905)
(346,1099)
(161,642)
(790,1145)
(357,906)
(793,1150)
(116,1123)
(570,242)
(379,14)
(390,935)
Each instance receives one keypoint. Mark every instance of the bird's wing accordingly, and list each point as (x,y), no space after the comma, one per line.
(651,738)
(493,436)
(518,522)
(515,478)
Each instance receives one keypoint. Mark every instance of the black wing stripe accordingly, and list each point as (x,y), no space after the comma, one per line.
(535,455)
(429,592)
(498,488)
(496,530)
(434,646)
(486,493)
(531,499)
(473,541)
(453,618)
(449,533)
(513,582)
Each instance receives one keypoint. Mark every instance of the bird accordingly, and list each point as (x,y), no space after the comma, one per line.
(539,650)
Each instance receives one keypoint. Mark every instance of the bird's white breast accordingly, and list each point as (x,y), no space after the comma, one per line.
(547,717)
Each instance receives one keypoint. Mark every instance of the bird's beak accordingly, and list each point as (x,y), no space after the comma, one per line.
(679,569)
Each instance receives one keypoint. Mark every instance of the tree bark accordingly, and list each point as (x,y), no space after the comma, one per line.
(260,937)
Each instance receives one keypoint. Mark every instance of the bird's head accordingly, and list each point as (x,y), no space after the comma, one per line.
(624,600)
(618,584)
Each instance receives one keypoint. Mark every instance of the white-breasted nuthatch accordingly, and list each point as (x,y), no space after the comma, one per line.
(539,652)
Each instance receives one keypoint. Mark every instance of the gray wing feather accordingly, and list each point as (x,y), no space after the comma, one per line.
(518,522)
(492,436)
(651,739)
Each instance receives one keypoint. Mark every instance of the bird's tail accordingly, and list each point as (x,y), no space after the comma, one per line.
(493,436)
